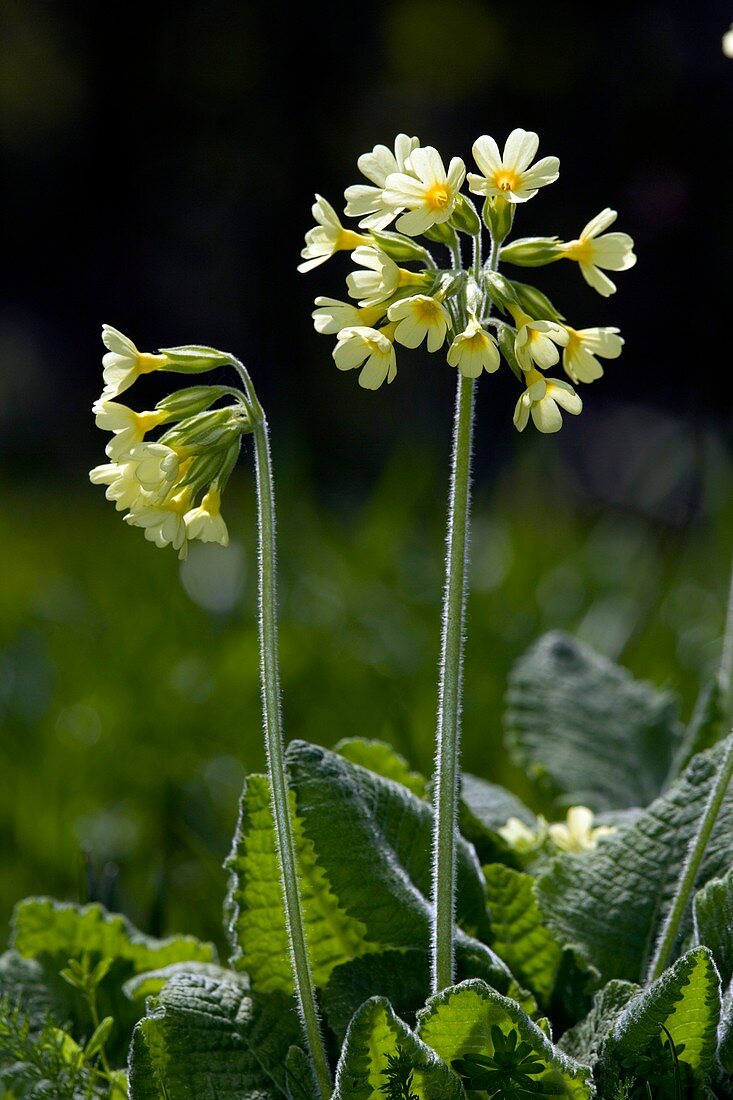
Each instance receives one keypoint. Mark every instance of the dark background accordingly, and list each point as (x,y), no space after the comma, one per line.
(157,174)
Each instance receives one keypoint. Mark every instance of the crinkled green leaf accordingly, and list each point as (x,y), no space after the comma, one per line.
(299,1083)
(45,928)
(584,727)
(611,901)
(52,932)
(374,1033)
(401,977)
(210,1037)
(364,848)
(151,982)
(713,917)
(381,758)
(257,921)
(458,1022)
(518,934)
(584,1041)
(685,1001)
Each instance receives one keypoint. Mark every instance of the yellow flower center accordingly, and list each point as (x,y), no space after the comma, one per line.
(426,310)
(438,196)
(581,251)
(507,180)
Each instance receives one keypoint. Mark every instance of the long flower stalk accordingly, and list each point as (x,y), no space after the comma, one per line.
(272,718)
(721,782)
(450,684)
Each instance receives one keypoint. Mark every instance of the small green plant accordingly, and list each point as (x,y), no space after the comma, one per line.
(391,936)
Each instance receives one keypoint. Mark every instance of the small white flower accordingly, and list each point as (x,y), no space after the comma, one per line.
(428,193)
(122,486)
(155,467)
(165,524)
(418,317)
(535,341)
(579,358)
(205,522)
(333,315)
(509,174)
(123,363)
(128,427)
(360,345)
(474,350)
(327,237)
(380,279)
(612,251)
(543,399)
(576,833)
(520,837)
(367,202)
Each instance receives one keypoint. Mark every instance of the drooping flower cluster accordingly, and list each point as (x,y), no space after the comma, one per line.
(171,487)
(402,295)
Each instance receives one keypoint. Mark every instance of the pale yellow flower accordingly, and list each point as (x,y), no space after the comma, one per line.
(520,837)
(205,522)
(728,42)
(426,191)
(327,237)
(165,524)
(419,317)
(367,203)
(579,357)
(535,342)
(128,427)
(380,279)
(122,486)
(611,251)
(543,399)
(333,315)
(474,350)
(576,833)
(509,174)
(123,363)
(369,349)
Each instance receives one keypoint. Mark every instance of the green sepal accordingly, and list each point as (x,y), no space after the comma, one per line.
(400,248)
(443,233)
(195,358)
(506,336)
(498,215)
(535,303)
(500,290)
(464,217)
(192,400)
(532,251)
(217,428)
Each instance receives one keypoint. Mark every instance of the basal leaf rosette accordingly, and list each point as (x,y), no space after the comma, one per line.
(407,294)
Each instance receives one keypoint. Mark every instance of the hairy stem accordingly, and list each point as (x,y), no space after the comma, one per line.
(449,691)
(686,883)
(272,718)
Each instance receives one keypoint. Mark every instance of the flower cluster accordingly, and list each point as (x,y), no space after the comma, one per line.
(402,295)
(171,487)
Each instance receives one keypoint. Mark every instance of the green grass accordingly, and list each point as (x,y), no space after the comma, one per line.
(130,713)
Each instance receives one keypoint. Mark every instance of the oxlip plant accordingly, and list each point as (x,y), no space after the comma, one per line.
(394,936)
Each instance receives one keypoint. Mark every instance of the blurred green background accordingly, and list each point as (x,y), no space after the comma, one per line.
(159,178)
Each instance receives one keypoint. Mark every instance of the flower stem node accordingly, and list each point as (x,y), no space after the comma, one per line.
(474,350)
(370,349)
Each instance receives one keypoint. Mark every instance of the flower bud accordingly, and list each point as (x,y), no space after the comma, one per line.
(499,290)
(398,247)
(215,429)
(189,402)
(533,251)
(464,218)
(194,358)
(442,232)
(498,215)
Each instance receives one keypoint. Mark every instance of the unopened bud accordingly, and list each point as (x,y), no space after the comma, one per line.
(533,251)
(498,215)
(535,303)
(189,402)
(194,358)
(464,217)
(398,247)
